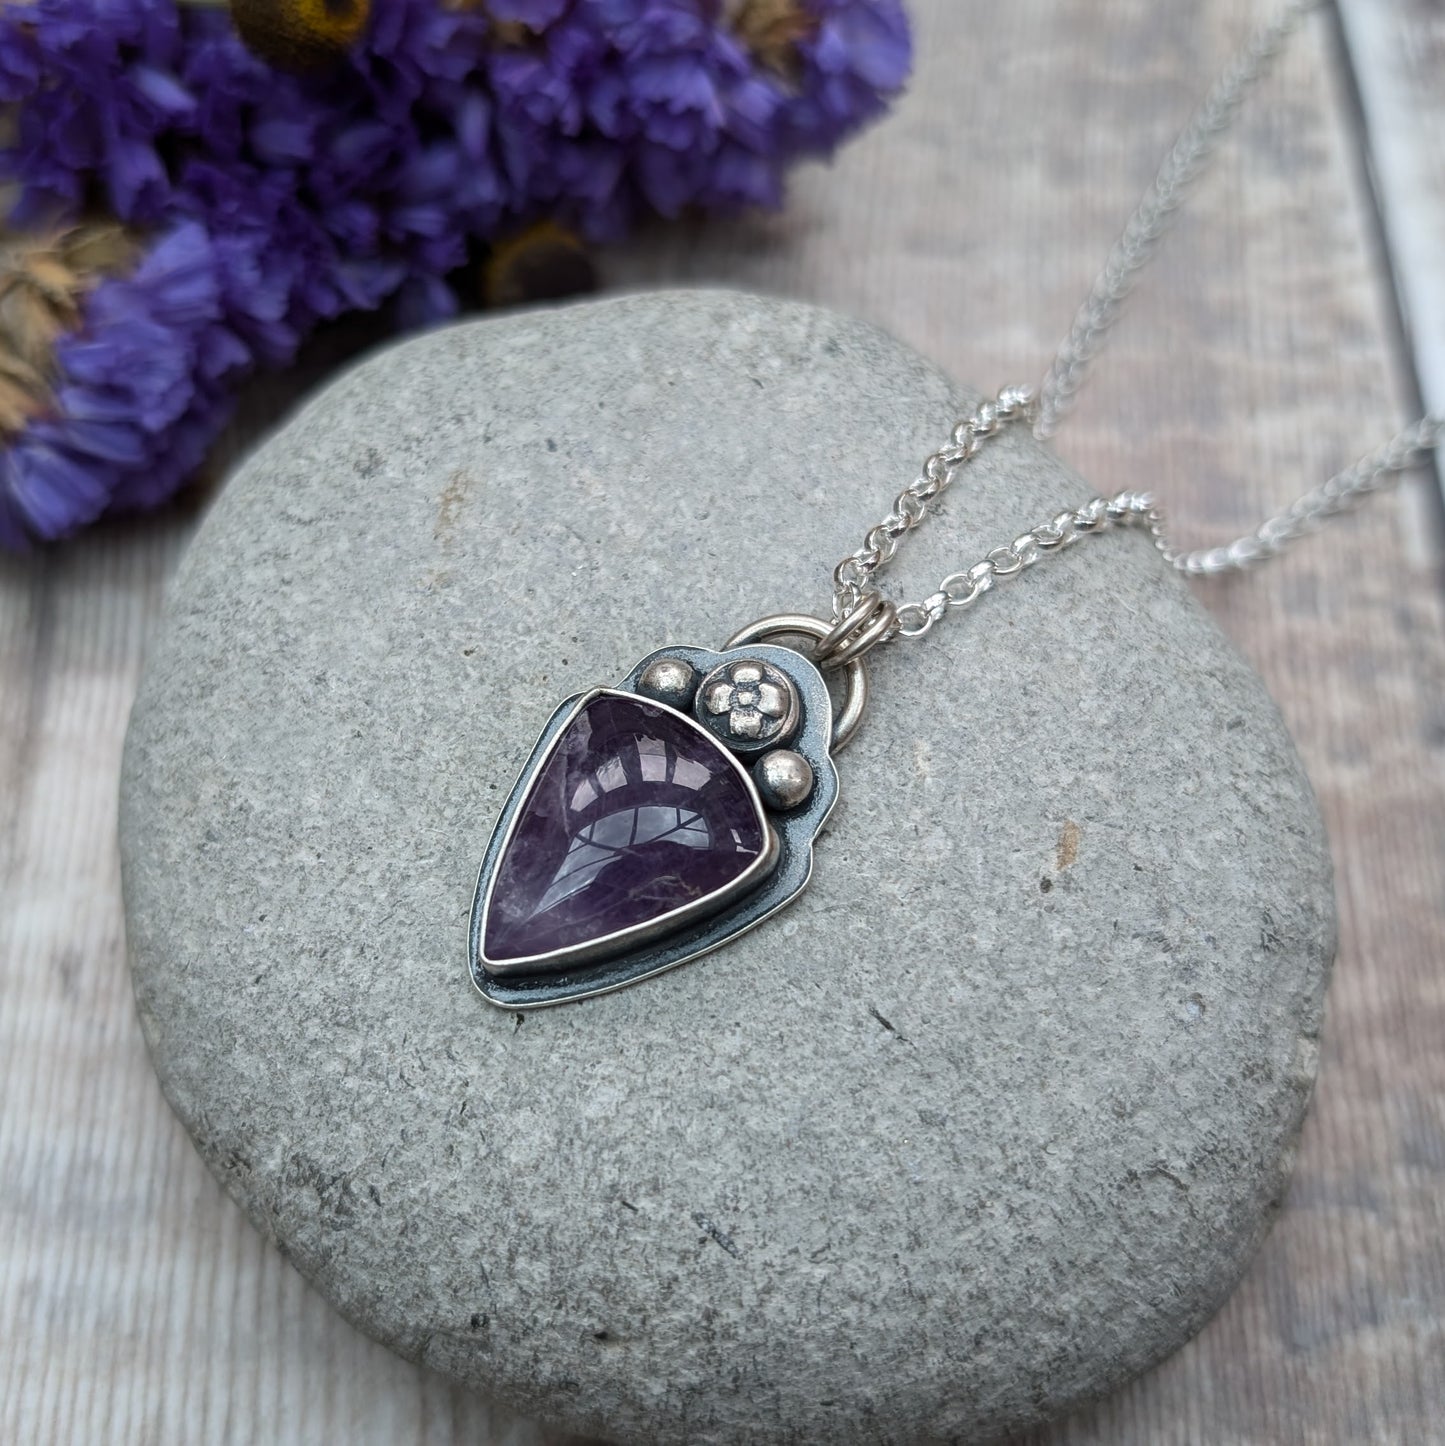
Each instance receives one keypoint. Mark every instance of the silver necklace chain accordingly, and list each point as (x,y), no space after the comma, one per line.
(864,618)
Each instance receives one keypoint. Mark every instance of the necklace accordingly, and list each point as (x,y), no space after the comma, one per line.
(657,820)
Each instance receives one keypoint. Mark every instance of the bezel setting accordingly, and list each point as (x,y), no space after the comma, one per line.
(556,961)
(640,951)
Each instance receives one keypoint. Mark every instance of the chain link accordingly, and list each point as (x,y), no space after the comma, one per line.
(1343,491)
(852,576)
(961,590)
(865,619)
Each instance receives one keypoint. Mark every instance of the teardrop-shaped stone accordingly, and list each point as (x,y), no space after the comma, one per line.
(636,812)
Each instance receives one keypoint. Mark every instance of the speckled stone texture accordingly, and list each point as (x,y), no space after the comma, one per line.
(986,1123)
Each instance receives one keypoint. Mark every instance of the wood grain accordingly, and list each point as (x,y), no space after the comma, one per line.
(1264,351)
(1397,55)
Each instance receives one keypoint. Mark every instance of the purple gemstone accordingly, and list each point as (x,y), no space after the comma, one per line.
(636,812)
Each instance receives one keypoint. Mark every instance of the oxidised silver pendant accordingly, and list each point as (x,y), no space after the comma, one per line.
(658,820)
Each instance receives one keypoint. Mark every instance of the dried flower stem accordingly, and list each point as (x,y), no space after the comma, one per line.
(43,281)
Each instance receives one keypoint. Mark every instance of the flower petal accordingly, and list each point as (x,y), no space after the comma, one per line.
(772,702)
(746,723)
(719,698)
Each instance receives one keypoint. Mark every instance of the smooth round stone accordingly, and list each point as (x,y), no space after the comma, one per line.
(987,1123)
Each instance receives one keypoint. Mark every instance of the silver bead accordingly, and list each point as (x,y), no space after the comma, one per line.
(669,680)
(784,778)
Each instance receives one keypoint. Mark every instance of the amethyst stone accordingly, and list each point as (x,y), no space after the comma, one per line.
(635,813)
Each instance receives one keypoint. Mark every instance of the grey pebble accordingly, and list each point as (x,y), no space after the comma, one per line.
(988,1123)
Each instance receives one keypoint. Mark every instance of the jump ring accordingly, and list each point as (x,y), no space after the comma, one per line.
(867,623)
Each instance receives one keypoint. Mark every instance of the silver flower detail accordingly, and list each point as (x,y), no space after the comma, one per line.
(755,705)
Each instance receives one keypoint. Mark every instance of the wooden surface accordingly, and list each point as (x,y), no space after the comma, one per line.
(1397,51)
(1267,349)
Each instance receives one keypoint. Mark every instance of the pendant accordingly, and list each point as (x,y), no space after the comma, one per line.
(660,819)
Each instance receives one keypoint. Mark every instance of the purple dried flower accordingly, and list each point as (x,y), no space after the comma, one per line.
(535,14)
(150,367)
(278,200)
(856,59)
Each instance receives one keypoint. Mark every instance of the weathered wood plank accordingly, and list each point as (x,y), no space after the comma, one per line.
(1397,52)
(137,1305)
